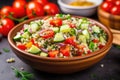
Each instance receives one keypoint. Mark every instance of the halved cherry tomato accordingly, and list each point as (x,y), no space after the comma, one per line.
(51,9)
(19,7)
(47,33)
(34,9)
(56,22)
(65,50)
(71,41)
(42,2)
(5,26)
(22,46)
(53,53)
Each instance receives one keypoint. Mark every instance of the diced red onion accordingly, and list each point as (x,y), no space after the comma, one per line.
(79,31)
(30,30)
(44,50)
(61,44)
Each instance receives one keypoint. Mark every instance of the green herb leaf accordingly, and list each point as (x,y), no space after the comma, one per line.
(6,50)
(22,74)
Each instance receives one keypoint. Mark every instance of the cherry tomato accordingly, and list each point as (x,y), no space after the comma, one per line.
(65,50)
(5,26)
(42,2)
(51,9)
(115,10)
(107,6)
(7,10)
(53,53)
(47,33)
(113,1)
(56,22)
(33,9)
(22,46)
(19,8)
(117,3)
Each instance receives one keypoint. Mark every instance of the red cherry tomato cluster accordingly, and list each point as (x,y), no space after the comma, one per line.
(21,10)
(111,6)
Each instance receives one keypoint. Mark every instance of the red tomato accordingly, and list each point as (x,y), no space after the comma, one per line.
(65,50)
(113,1)
(107,6)
(5,26)
(42,2)
(115,10)
(53,53)
(71,41)
(72,25)
(101,46)
(22,46)
(51,9)
(117,2)
(33,9)
(47,33)
(19,8)
(95,40)
(56,22)
(7,10)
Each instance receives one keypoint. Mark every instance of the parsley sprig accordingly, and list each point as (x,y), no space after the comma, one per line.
(6,50)
(22,74)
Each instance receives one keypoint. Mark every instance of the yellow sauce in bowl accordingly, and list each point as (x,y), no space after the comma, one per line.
(81,3)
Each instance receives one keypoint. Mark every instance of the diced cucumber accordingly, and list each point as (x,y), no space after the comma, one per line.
(102,40)
(84,26)
(34,27)
(86,34)
(58,37)
(26,35)
(17,37)
(43,54)
(82,38)
(34,49)
(55,29)
(96,29)
(65,28)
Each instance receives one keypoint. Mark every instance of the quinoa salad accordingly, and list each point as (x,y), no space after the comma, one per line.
(61,36)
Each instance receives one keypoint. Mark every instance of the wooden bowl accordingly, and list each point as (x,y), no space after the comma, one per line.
(109,20)
(59,65)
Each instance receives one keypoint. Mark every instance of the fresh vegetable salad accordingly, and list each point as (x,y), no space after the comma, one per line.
(61,36)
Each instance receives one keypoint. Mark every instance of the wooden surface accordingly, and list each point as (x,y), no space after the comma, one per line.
(107,69)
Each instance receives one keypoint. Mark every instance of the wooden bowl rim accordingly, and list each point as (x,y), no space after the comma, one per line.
(108,44)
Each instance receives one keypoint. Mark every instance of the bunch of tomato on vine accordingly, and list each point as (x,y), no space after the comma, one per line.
(111,6)
(21,10)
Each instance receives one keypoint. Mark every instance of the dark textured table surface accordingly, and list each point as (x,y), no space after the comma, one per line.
(107,69)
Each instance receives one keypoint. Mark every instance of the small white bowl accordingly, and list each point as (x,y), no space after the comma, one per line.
(79,10)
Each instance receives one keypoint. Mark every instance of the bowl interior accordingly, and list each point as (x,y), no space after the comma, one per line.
(66,2)
(17,28)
